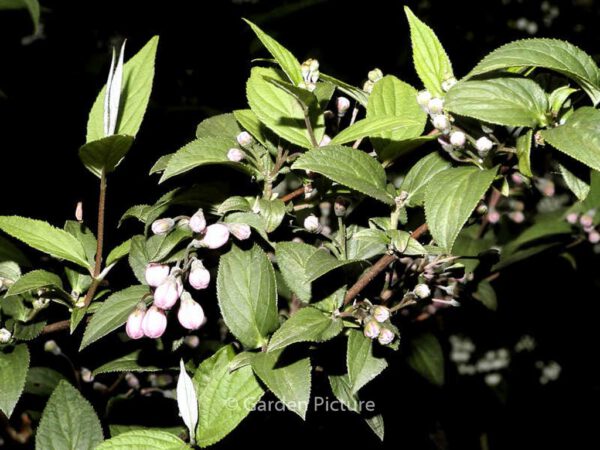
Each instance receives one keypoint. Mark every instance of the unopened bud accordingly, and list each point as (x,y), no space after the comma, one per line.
(79,212)
(156,274)
(240,231)
(132,381)
(441,122)
(421,290)
(86,375)
(154,323)
(493,216)
(244,139)
(517,216)
(423,98)
(340,206)
(133,328)
(5,336)
(199,276)
(435,105)
(52,347)
(572,218)
(326,140)
(447,84)
(372,329)
(235,155)
(198,222)
(191,314)
(483,145)
(368,86)
(192,341)
(386,336)
(343,105)
(375,75)
(311,224)
(216,236)
(312,64)
(586,220)
(163,226)
(458,138)
(482,209)
(381,313)
(314,76)
(167,294)
(594,237)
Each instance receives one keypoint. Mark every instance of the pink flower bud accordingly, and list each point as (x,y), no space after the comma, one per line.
(381,313)
(594,237)
(517,216)
(343,105)
(156,274)
(235,155)
(244,138)
(163,226)
(191,314)
(198,222)
(199,277)
(493,216)
(241,231)
(167,294)
(372,329)
(572,218)
(586,220)
(386,336)
(154,323)
(134,322)
(216,236)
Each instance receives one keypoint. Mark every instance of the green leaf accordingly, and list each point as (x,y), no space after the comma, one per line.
(68,422)
(248,295)
(221,125)
(225,398)
(365,243)
(415,182)
(321,263)
(551,54)
(342,389)
(10,252)
(42,381)
(362,365)
(578,185)
(105,153)
(353,92)
(119,252)
(350,167)
(85,236)
(290,382)
(451,197)
(579,137)
(425,356)
(524,153)
(429,57)
(252,124)
(144,439)
(273,212)
(394,98)
(280,111)
(306,325)
(112,314)
(138,74)
(486,295)
(376,425)
(10,270)
(405,244)
(117,429)
(378,126)
(14,364)
(33,6)
(254,220)
(161,164)
(517,102)
(292,260)
(35,280)
(235,203)
(540,230)
(201,152)
(44,237)
(286,60)
(593,199)
(128,363)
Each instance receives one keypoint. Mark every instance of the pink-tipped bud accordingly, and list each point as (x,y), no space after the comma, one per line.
(517,178)
(381,313)
(156,274)
(572,218)
(586,221)
(235,155)
(134,322)
(154,323)
(325,141)
(311,223)
(216,236)
(167,294)
(163,226)
(79,212)
(372,329)
(493,216)
(244,138)
(594,237)
(386,336)
(240,231)
(517,216)
(343,105)
(199,276)
(197,222)
(191,314)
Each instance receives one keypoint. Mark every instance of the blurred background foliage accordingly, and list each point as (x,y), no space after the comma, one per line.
(521,377)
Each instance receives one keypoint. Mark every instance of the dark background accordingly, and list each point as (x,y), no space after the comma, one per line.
(204,58)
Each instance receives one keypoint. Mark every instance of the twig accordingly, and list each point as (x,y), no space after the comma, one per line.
(292,195)
(56,326)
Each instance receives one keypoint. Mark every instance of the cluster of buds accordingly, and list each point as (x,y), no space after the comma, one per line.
(244,140)
(586,221)
(372,77)
(310,74)
(511,208)
(377,325)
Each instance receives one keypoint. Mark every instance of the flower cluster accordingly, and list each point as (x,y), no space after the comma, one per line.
(587,223)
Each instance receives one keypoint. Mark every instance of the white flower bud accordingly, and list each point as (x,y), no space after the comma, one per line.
(190,314)
(244,139)
(441,122)
(313,64)
(423,98)
(235,155)
(240,231)
(314,76)
(167,294)
(447,84)
(458,138)
(435,105)
(134,322)
(52,347)
(386,336)
(79,212)
(483,145)
(422,290)
(372,329)
(368,86)
(154,323)
(375,75)
(156,274)
(198,222)
(163,226)
(86,375)
(326,140)
(311,223)
(381,313)
(216,236)
(199,276)
(5,336)
(343,105)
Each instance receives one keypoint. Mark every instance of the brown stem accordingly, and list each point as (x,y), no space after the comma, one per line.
(56,326)
(292,195)
(377,268)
